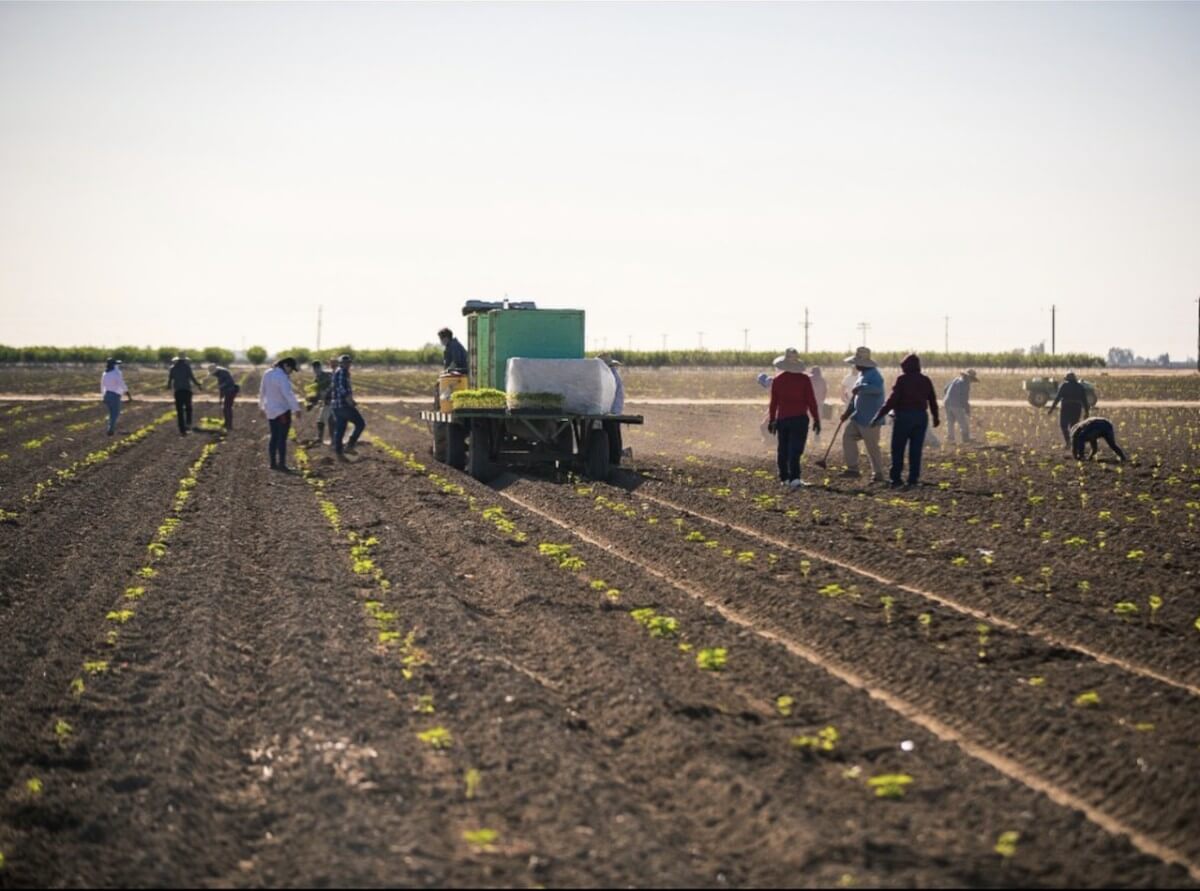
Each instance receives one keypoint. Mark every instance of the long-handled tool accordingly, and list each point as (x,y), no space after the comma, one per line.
(822,462)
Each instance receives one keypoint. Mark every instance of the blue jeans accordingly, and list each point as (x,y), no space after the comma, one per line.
(343,417)
(908,431)
(279,437)
(112,401)
(792,434)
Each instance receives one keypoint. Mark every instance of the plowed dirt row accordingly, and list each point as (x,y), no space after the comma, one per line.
(24,468)
(661,595)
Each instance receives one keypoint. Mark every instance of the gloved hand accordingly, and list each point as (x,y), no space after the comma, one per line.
(770,426)
(847,414)
(1049,411)
(816,428)
(937,422)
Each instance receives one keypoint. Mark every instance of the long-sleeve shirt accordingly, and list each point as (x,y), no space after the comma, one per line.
(912,391)
(341,393)
(113,382)
(1071,393)
(225,382)
(180,377)
(618,406)
(275,394)
(324,386)
(454,356)
(792,397)
(958,393)
(867,401)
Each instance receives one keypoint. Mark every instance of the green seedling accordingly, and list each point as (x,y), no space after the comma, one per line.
(62,730)
(1125,609)
(925,620)
(1136,554)
(1155,603)
(784,705)
(1006,844)
(120,616)
(598,585)
(745,557)
(825,740)
(983,631)
(133,593)
(805,567)
(1090,699)
(34,787)
(694,535)
(424,705)
(97,667)
(1036,681)
(832,590)
(472,780)
(147,572)
(1144,727)
(437,738)
(480,838)
(888,602)
(157,550)
(712,659)
(77,687)
(890,785)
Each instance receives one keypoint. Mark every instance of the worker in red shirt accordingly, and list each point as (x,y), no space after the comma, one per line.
(912,394)
(792,404)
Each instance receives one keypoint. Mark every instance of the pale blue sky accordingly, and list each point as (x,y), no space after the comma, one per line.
(211,172)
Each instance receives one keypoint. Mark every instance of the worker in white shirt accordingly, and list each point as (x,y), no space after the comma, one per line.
(112,386)
(277,401)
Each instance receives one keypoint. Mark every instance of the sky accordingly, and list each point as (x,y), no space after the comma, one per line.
(210,174)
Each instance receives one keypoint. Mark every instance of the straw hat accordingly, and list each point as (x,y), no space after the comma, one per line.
(971,375)
(608,360)
(789,361)
(861,358)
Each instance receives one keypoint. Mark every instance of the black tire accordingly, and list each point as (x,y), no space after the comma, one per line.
(479,455)
(595,460)
(1038,399)
(441,440)
(456,446)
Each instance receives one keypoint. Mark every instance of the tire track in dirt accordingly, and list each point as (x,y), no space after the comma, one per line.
(1044,634)
(545,613)
(1004,764)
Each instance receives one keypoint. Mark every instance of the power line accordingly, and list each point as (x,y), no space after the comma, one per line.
(864,327)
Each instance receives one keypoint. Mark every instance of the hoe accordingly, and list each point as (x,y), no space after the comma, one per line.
(823,462)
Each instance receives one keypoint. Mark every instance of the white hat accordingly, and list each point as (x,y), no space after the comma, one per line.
(861,358)
(789,361)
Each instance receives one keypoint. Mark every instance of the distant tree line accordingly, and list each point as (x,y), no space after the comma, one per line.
(432,355)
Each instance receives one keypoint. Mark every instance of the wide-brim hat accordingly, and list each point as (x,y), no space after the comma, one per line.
(789,361)
(861,357)
(970,373)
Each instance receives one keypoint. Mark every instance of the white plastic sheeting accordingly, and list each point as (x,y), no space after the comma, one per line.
(586,385)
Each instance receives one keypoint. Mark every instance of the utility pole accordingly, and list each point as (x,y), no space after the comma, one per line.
(807,325)
(630,342)
(701,333)
(1198,333)
(664,348)
(319,308)
(1053,329)
(946,348)
(864,327)
(745,340)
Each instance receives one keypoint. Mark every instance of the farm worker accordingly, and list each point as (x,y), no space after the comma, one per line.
(277,401)
(112,385)
(322,387)
(912,393)
(612,428)
(764,381)
(227,390)
(180,379)
(958,404)
(820,391)
(1073,397)
(454,354)
(1088,432)
(792,402)
(866,397)
(341,400)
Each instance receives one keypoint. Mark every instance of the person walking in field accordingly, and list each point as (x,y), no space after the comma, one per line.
(820,391)
(112,387)
(180,379)
(957,399)
(792,404)
(1088,432)
(912,395)
(277,401)
(1073,398)
(227,391)
(454,354)
(322,389)
(866,398)
(345,412)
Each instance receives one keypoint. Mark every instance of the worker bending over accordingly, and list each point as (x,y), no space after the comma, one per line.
(1091,430)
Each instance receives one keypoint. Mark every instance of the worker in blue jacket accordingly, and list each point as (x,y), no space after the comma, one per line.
(454,354)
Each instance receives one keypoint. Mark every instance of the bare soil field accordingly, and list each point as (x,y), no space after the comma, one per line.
(383,672)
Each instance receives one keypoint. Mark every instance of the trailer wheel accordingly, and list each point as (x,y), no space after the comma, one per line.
(456,446)
(1037,398)
(441,440)
(596,464)
(479,457)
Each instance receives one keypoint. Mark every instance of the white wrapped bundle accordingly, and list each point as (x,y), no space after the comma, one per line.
(586,385)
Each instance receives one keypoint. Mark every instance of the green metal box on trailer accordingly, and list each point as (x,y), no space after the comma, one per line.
(498,335)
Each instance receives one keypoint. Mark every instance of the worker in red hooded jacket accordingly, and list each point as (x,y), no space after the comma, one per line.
(912,394)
